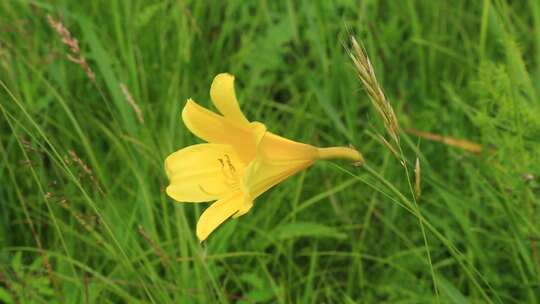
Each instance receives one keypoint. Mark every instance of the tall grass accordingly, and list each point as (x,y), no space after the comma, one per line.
(84,215)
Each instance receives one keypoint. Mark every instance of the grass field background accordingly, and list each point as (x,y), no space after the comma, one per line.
(84,217)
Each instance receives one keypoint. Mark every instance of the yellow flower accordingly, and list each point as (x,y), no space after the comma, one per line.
(240,161)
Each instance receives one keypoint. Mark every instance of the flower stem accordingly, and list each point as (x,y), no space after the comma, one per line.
(340,152)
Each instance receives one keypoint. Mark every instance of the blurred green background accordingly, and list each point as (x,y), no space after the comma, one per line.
(84,217)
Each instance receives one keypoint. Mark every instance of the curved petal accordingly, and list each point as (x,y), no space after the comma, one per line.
(277,159)
(214,128)
(279,148)
(224,98)
(246,206)
(263,174)
(217,213)
(202,173)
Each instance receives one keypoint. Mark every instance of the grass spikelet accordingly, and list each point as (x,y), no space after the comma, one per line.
(157,250)
(73,45)
(417,180)
(85,221)
(388,145)
(86,169)
(132,103)
(366,73)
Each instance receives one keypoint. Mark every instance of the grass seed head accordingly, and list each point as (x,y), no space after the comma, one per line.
(73,45)
(132,103)
(366,73)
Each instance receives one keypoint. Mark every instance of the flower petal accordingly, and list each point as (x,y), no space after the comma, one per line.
(224,98)
(246,206)
(217,213)
(277,159)
(263,174)
(214,128)
(280,148)
(197,174)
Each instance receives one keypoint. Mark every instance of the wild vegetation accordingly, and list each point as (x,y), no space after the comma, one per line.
(445,209)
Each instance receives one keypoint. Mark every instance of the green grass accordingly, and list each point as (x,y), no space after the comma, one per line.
(332,234)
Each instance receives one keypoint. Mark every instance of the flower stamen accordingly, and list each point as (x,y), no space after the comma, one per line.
(229,163)
(229,172)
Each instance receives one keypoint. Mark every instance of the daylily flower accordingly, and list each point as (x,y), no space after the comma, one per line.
(240,161)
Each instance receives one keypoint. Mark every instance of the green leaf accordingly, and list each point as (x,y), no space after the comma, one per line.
(331,110)
(452,292)
(16,262)
(305,229)
(5,297)
(147,13)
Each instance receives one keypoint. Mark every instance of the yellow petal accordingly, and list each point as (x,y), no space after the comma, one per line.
(217,213)
(246,206)
(263,174)
(224,98)
(282,149)
(277,159)
(202,173)
(214,128)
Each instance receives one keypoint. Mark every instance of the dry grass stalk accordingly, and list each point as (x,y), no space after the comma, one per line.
(26,163)
(417,180)
(157,250)
(75,158)
(388,146)
(86,222)
(86,281)
(366,73)
(89,222)
(80,162)
(132,103)
(28,147)
(528,177)
(450,141)
(73,45)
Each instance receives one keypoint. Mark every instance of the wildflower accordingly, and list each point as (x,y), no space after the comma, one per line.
(240,161)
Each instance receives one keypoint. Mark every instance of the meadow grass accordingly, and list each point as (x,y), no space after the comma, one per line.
(84,217)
